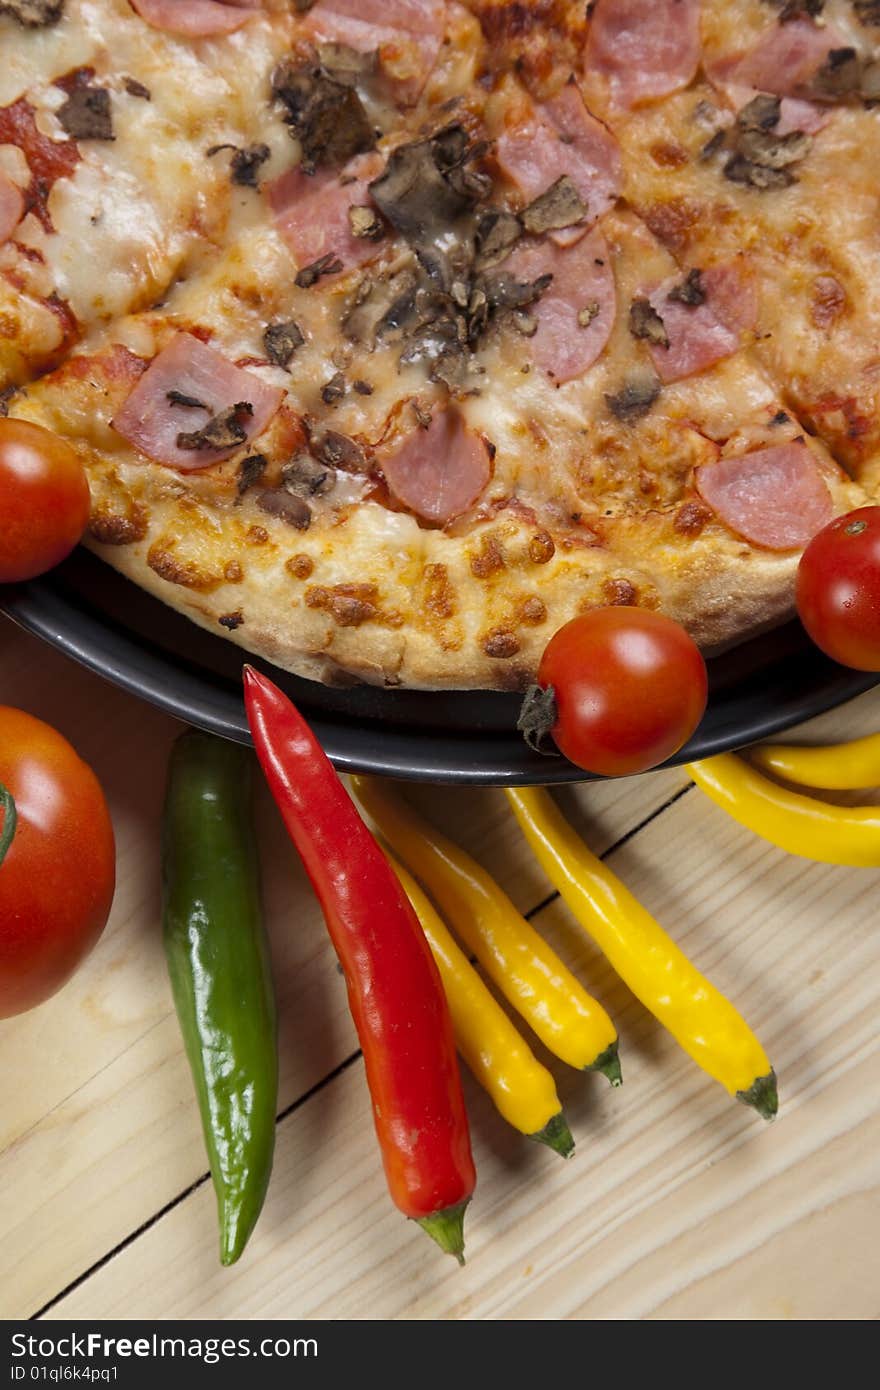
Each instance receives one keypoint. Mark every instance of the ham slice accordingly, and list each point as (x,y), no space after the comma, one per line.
(196,19)
(561,137)
(732,294)
(311,212)
(643,48)
(407,34)
(699,334)
(11,206)
(576,312)
(782,62)
(773,497)
(795,114)
(440,471)
(152,422)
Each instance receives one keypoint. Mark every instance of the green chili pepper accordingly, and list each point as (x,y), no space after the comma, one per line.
(218,961)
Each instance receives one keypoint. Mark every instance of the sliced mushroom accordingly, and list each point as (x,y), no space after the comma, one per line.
(338,451)
(427,185)
(646,324)
(250,471)
(245,165)
(634,399)
(497,234)
(223,431)
(281,340)
(305,477)
(33,14)
(561,206)
(87,114)
(325,114)
(690,291)
(294,510)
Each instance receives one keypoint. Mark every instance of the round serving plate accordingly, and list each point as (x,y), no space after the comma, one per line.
(91,613)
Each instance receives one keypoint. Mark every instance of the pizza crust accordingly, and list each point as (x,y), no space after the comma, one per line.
(434,611)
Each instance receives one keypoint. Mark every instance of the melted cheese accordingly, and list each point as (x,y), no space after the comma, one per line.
(149,206)
(814,247)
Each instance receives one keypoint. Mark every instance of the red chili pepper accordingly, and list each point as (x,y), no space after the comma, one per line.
(394,989)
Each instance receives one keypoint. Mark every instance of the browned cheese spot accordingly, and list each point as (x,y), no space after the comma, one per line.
(668,154)
(673,222)
(542,38)
(828,302)
(490,558)
(533,611)
(233,572)
(187,573)
(691,518)
(541,548)
(620,593)
(501,644)
(257,535)
(349,605)
(109,528)
(300,566)
(440,592)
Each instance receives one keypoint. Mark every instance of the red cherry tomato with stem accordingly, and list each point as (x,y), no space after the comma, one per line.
(44,500)
(838,589)
(57,861)
(629,688)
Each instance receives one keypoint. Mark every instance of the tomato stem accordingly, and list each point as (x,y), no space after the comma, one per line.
(10,820)
(537,716)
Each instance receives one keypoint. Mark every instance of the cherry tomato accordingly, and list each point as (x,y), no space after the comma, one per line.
(630,688)
(57,875)
(44,500)
(838,589)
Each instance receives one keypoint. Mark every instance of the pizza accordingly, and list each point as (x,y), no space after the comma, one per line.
(393,334)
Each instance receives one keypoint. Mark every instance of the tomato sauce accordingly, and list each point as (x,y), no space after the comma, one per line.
(48,160)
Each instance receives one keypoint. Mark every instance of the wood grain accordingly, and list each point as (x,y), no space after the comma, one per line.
(678,1204)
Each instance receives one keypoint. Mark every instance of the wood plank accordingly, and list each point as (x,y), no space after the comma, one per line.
(99,1130)
(678,1199)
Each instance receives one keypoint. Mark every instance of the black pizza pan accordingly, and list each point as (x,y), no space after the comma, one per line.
(92,614)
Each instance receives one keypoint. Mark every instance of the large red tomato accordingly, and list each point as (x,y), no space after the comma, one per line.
(838,589)
(629,688)
(57,875)
(44,500)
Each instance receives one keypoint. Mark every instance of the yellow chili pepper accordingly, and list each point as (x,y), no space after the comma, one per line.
(523,1091)
(838,768)
(796,823)
(705,1023)
(529,974)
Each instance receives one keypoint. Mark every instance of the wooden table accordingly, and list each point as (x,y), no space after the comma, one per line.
(678,1203)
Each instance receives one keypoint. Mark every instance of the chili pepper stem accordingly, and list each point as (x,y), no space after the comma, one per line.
(762,1095)
(447,1229)
(10,820)
(556,1135)
(608,1063)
